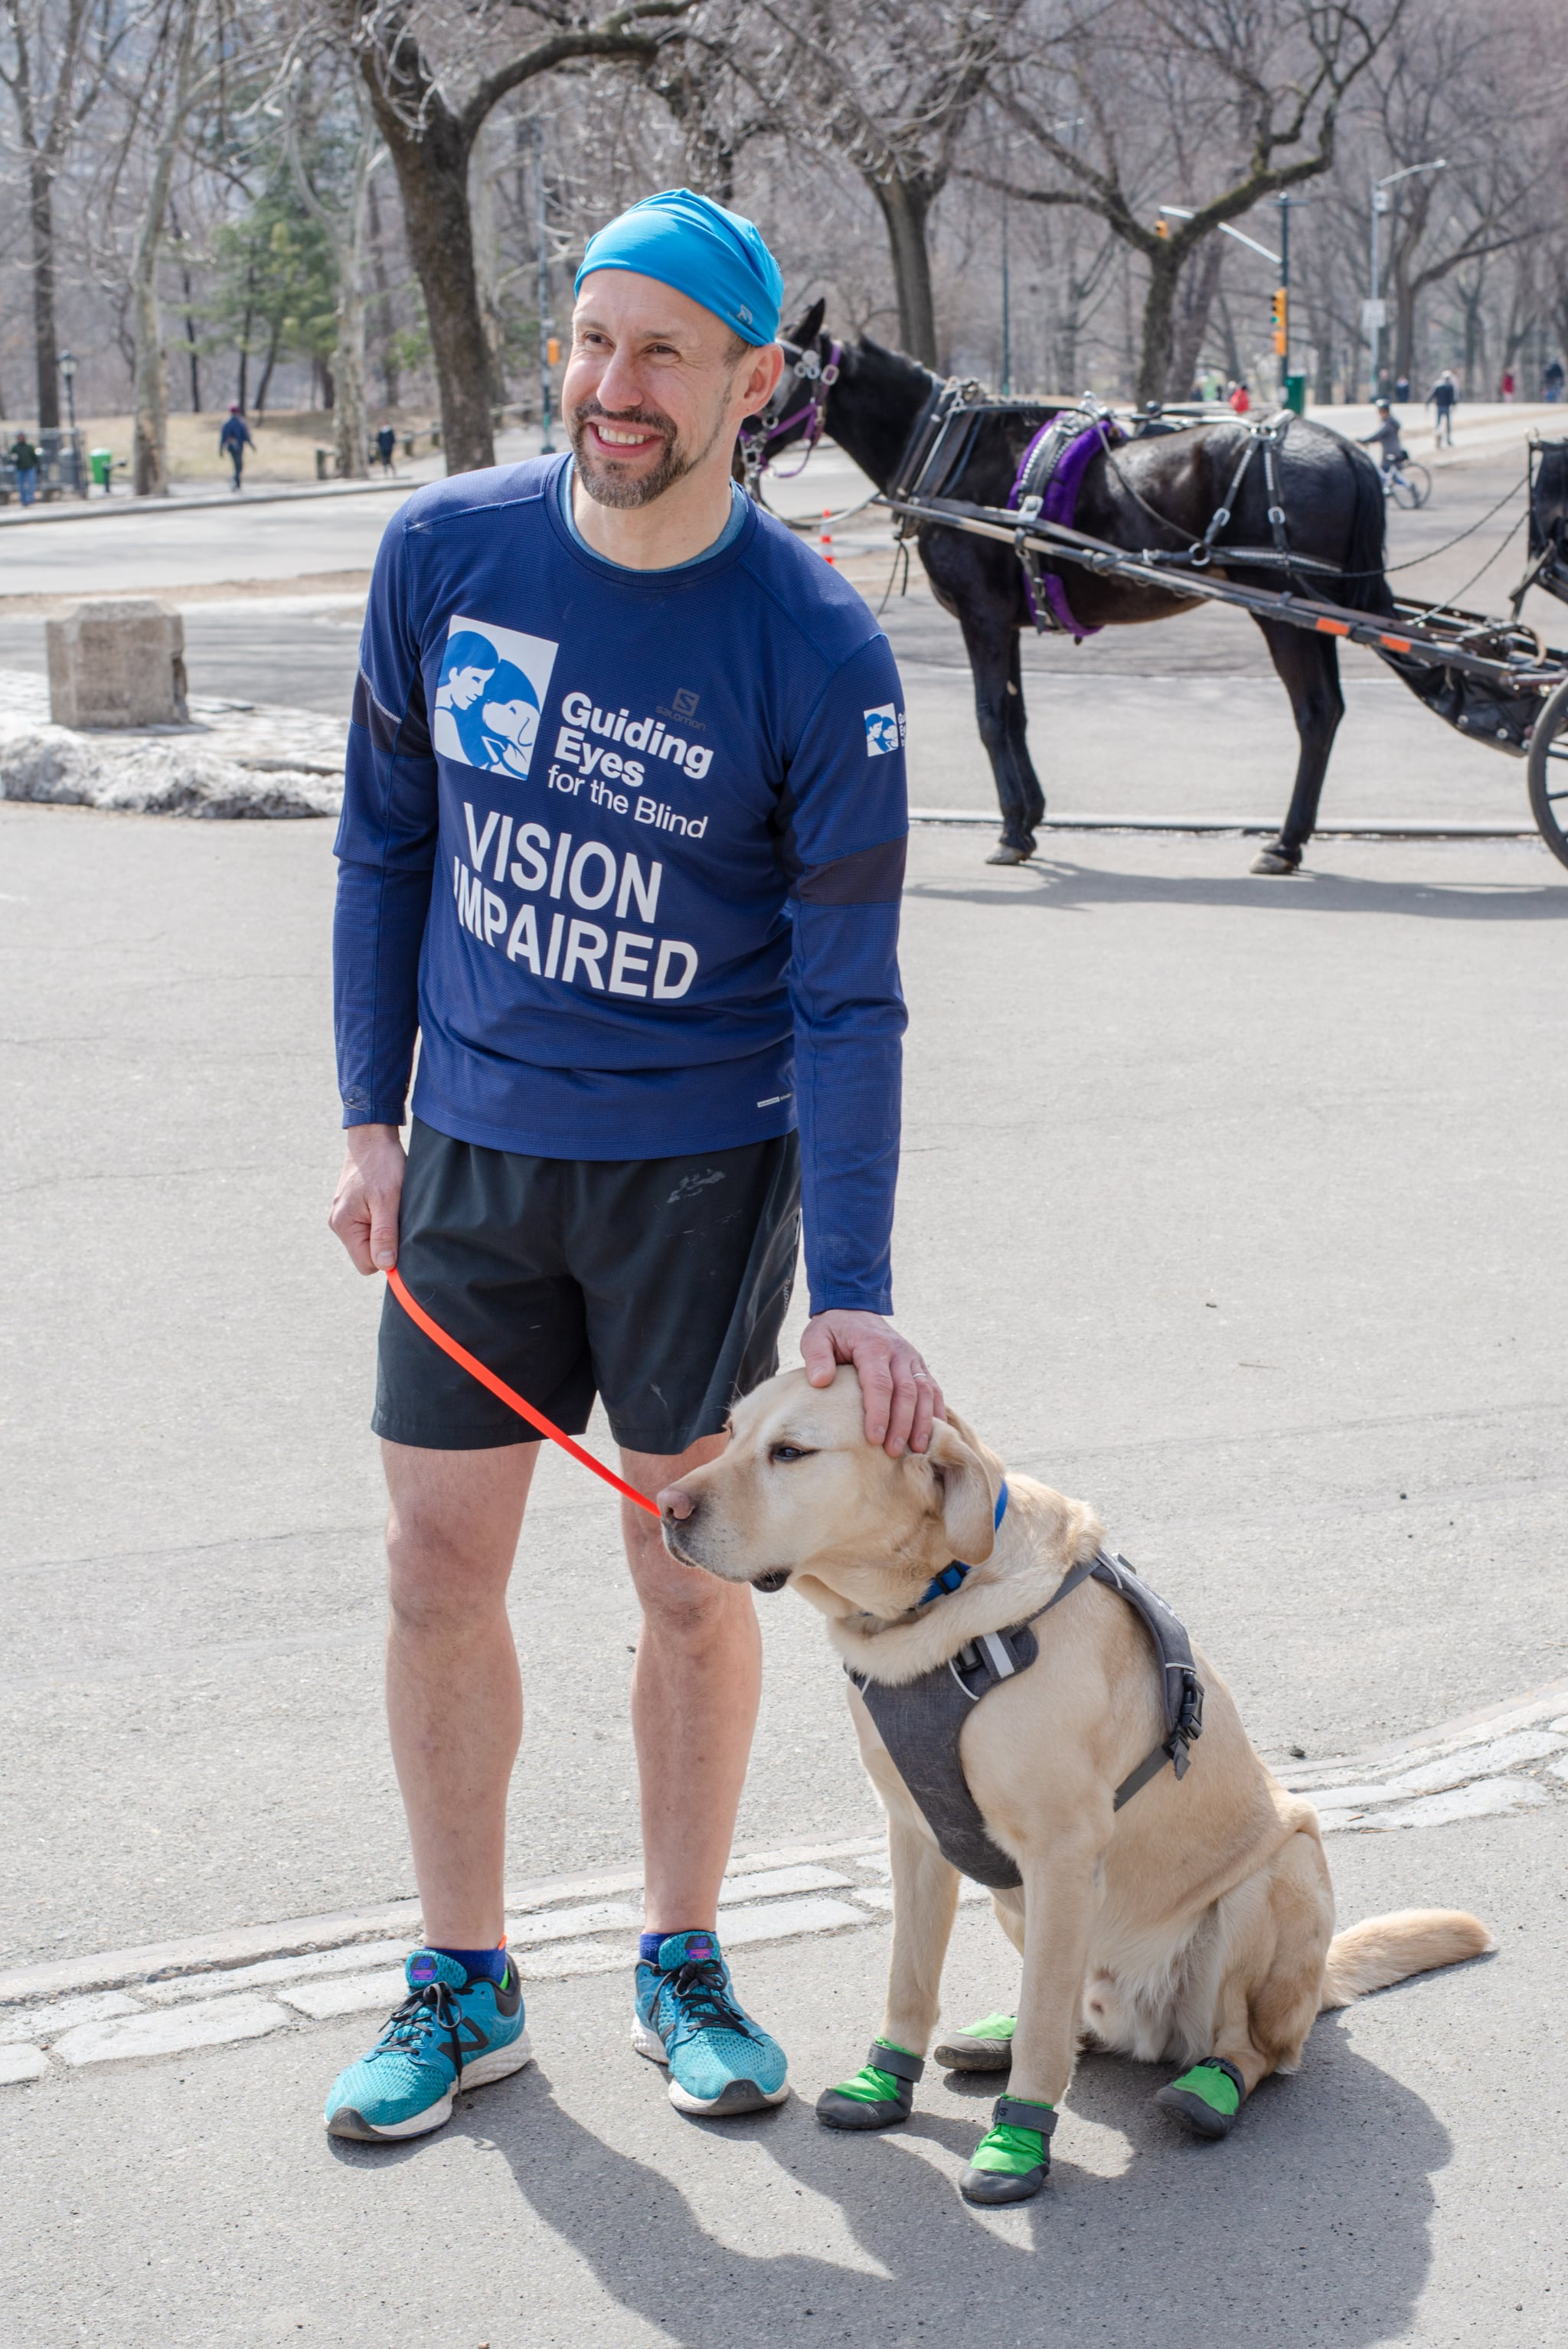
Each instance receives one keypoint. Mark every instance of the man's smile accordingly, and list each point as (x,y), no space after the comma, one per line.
(622,436)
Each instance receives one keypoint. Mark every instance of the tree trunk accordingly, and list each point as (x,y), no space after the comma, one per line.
(1195,299)
(150,426)
(1158,325)
(46,334)
(271,361)
(905,206)
(433,180)
(386,323)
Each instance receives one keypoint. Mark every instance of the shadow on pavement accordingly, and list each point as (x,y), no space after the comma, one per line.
(1313,2219)
(1060,886)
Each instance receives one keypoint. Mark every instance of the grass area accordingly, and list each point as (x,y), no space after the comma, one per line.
(286,441)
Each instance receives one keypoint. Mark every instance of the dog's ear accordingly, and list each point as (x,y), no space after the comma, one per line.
(968,1508)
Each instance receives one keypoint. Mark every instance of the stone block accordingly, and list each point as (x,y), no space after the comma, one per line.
(118,662)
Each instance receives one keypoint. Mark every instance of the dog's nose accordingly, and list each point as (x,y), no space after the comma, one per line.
(675,1502)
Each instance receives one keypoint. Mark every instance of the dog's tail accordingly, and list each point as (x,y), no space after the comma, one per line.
(1385,1950)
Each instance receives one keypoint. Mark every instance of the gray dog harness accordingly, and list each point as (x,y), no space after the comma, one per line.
(919,1721)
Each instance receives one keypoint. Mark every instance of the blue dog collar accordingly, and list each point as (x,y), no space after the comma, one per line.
(952,1576)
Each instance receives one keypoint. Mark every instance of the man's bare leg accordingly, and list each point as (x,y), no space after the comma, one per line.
(454,1695)
(695,1691)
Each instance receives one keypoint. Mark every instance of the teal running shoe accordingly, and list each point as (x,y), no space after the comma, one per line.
(688,2017)
(454,2030)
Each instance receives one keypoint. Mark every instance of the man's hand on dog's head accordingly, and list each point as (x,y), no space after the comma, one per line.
(901,1398)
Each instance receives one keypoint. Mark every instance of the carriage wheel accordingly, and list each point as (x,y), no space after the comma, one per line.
(1549,772)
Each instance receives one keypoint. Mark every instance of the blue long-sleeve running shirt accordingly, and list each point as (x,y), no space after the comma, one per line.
(624,848)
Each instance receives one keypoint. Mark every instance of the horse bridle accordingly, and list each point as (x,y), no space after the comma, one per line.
(761,433)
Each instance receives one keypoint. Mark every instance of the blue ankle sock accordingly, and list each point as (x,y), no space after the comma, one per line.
(648,1948)
(488,1964)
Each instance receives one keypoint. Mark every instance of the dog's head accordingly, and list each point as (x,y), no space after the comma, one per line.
(799,1495)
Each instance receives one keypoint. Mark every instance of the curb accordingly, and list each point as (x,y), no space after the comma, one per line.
(1385,828)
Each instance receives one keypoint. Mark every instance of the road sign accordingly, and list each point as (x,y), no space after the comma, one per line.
(1374,315)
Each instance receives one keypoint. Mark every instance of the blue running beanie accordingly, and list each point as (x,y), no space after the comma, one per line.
(690,242)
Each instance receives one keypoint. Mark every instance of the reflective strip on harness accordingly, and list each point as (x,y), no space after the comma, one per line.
(919,1721)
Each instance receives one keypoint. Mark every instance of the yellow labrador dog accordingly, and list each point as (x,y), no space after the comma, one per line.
(1192,1925)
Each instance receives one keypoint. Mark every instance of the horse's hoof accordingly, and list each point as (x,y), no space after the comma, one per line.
(1004,854)
(1276,860)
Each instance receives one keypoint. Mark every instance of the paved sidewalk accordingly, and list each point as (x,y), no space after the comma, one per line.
(1406,2186)
(1223,1204)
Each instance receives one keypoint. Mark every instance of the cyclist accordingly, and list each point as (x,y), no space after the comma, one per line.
(1385,433)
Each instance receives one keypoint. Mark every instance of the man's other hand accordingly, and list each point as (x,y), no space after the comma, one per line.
(369,1191)
(901,1398)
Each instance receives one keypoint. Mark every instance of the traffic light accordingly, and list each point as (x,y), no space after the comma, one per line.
(1161,226)
(1280,332)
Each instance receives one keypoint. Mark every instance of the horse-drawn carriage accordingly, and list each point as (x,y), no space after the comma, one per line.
(1067,518)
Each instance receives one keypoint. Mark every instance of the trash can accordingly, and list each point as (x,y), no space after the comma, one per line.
(101,461)
(1295,394)
(324,464)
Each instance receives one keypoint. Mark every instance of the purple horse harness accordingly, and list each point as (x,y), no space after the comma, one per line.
(1051,470)
(760,434)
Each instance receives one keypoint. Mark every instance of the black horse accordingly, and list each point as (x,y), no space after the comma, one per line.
(1333,502)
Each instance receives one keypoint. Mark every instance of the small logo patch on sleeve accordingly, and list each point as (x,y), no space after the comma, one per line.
(884,730)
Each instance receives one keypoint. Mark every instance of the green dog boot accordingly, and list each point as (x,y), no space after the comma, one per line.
(983,2047)
(880,2095)
(1013,2160)
(1207,2098)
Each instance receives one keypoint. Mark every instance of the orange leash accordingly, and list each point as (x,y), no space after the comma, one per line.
(513,1400)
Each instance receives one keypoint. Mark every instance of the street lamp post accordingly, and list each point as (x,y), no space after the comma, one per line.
(68,376)
(1382,201)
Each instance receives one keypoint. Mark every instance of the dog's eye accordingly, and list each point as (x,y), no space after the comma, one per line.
(788,1452)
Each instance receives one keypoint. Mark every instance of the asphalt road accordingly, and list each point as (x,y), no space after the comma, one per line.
(1185,717)
(1223,1204)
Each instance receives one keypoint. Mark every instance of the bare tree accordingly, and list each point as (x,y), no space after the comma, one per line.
(889,86)
(343,225)
(430,138)
(166,120)
(1280,67)
(55,68)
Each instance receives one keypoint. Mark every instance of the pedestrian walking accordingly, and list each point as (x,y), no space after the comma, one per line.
(1441,399)
(387,448)
(233,439)
(622,843)
(1401,387)
(1241,399)
(1551,380)
(24,455)
(1507,385)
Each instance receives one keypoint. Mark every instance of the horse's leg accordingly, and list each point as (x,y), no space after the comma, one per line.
(1308,667)
(994,657)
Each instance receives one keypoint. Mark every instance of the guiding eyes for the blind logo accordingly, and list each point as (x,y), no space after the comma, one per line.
(884,730)
(490,695)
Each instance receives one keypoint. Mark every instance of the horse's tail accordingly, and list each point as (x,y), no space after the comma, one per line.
(1363,587)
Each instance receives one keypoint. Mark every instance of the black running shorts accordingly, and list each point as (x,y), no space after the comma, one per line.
(658,1283)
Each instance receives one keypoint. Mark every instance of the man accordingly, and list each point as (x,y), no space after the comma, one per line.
(637,889)
(1441,399)
(233,439)
(25,457)
(1385,435)
(386,448)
